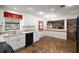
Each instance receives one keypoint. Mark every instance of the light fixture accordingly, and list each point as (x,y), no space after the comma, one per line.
(40,13)
(15,8)
(30,8)
(51,9)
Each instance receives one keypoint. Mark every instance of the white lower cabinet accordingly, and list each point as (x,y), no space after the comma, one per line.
(16,42)
(36,36)
(21,41)
(11,40)
(56,34)
(41,34)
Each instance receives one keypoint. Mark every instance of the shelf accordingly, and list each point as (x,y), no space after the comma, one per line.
(11,29)
(11,23)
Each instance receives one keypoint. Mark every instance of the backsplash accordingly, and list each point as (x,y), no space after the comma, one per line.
(28,28)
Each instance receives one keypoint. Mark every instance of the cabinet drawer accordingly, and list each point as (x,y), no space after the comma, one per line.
(16,42)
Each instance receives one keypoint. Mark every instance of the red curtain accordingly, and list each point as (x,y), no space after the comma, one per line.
(12,15)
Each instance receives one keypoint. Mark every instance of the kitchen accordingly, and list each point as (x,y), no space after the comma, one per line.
(39,28)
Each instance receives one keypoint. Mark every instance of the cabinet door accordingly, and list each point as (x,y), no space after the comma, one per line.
(41,34)
(21,40)
(29,39)
(16,42)
(12,42)
(36,37)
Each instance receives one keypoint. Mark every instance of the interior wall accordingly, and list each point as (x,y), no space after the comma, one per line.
(29,20)
(33,20)
(60,34)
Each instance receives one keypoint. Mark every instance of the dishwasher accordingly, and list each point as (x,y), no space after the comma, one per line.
(28,39)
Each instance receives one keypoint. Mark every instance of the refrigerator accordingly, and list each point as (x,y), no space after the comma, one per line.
(71,35)
(77,35)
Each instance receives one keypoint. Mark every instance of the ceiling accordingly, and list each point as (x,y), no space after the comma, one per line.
(43,10)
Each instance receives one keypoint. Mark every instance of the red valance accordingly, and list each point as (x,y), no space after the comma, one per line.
(12,15)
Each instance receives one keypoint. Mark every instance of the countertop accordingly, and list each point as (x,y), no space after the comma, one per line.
(20,32)
(6,34)
(56,30)
(15,33)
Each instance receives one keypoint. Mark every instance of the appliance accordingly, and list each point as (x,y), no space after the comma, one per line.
(77,35)
(29,39)
(71,35)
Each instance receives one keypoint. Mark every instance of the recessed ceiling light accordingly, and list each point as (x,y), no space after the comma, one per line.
(30,8)
(40,13)
(15,8)
(52,9)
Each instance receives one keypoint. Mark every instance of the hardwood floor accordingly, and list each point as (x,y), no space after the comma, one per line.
(49,45)
(71,43)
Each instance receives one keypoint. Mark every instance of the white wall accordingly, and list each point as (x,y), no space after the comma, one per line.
(33,20)
(58,33)
(29,19)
